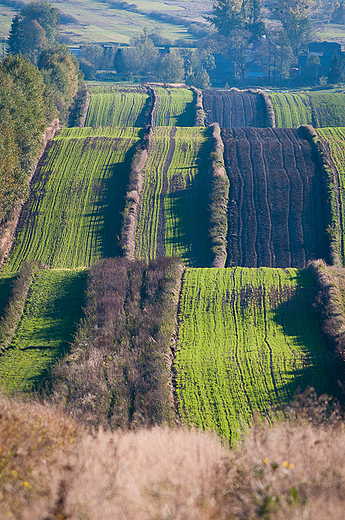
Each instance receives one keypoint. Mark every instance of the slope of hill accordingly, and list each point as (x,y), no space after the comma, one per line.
(248,338)
(73,215)
(234,108)
(174,107)
(277,199)
(172,211)
(112,105)
(319,108)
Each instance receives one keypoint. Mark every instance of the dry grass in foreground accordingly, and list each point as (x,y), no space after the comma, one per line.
(51,469)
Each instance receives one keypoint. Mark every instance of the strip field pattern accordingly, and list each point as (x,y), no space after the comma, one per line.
(277,202)
(248,338)
(171,217)
(111,106)
(174,107)
(73,215)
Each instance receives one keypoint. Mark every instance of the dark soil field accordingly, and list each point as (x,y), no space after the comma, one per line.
(276,200)
(234,109)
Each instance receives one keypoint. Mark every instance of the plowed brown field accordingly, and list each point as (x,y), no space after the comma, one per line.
(276,200)
(234,109)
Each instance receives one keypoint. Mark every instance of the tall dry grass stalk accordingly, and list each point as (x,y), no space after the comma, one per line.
(52,469)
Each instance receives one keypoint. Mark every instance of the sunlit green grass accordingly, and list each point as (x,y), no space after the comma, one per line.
(248,338)
(175,107)
(51,315)
(172,213)
(74,212)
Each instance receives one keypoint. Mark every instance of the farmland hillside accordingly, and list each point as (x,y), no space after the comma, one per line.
(73,215)
(319,108)
(172,210)
(111,105)
(277,206)
(174,107)
(234,108)
(248,338)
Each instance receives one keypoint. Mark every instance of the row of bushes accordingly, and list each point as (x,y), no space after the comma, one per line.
(117,373)
(331,189)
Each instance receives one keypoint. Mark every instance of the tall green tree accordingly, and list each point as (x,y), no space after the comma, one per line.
(230,15)
(33,29)
(295,19)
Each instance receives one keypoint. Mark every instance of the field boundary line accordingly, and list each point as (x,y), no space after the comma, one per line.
(174,347)
(134,188)
(199,109)
(332,194)
(218,199)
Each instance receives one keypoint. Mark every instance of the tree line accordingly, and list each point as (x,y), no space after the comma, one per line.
(38,84)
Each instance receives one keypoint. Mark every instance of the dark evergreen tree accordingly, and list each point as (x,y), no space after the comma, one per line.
(336,72)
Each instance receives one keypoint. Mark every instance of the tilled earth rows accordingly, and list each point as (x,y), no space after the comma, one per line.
(234,109)
(276,200)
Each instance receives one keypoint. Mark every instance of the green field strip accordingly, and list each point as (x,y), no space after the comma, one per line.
(175,107)
(172,211)
(106,131)
(73,215)
(248,338)
(335,138)
(52,312)
(117,107)
(317,108)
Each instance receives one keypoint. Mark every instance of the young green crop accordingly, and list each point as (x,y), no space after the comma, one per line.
(319,108)
(171,219)
(248,338)
(175,107)
(335,139)
(116,106)
(51,314)
(73,215)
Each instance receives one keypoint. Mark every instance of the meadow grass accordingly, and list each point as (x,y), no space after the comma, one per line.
(172,213)
(46,329)
(248,338)
(73,215)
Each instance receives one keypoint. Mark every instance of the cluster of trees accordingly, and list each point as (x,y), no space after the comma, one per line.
(143,59)
(38,83)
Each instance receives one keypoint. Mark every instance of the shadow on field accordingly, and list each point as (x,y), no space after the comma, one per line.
(187,118)
(5,291)
(298,319)
(189,210)
(111,204)
(61,320)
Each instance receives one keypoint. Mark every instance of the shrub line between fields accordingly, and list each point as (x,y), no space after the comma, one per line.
(199,110)
(134,188)
(218,197)
(329,308)
(332,191)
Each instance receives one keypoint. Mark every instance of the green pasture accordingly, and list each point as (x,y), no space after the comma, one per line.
(175,107)
(171,218)
(47,327)
(73,215)
(335,138)
(317,108)
(248,338)
(115,106)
